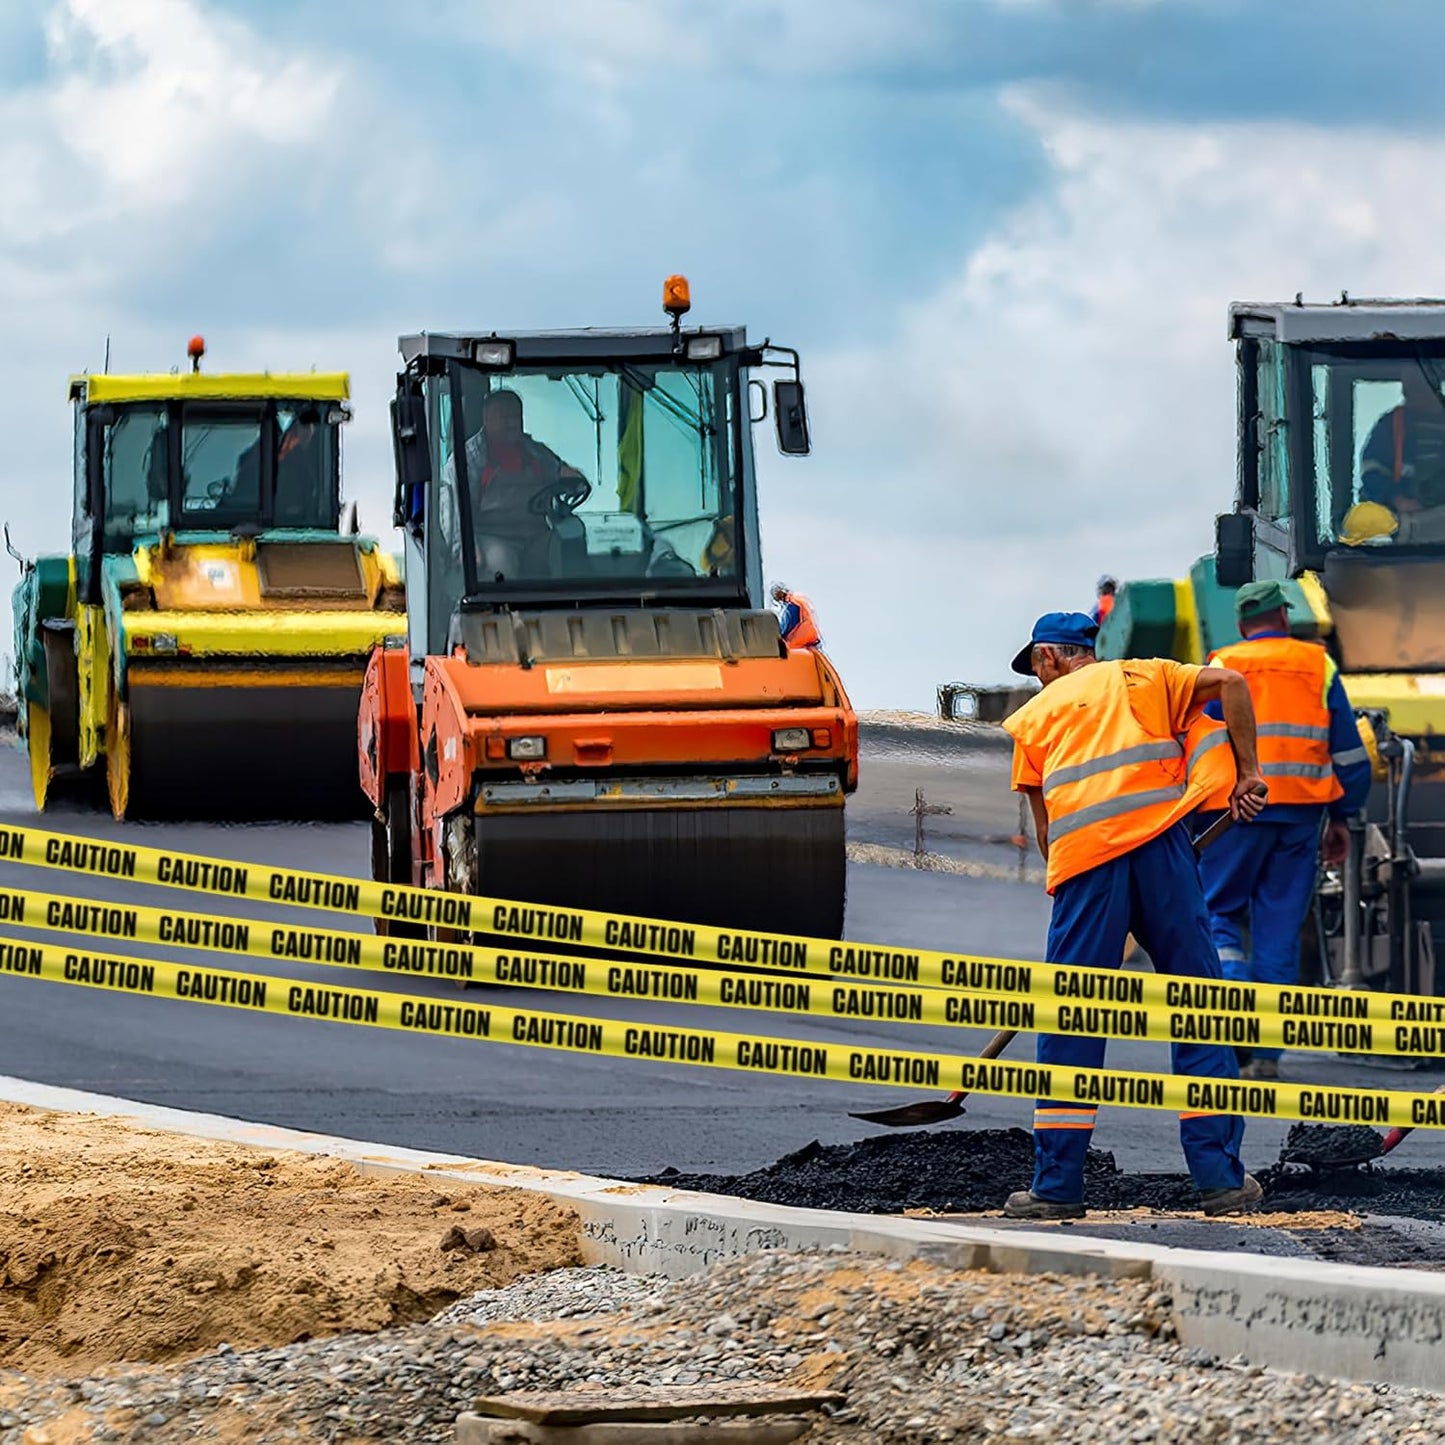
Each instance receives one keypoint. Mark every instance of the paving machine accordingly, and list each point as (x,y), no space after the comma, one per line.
(1341,492)
(594,706)
(203,645)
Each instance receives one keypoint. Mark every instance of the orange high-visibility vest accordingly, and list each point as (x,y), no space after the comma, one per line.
(1109,784)
(805,631)
(1288,684)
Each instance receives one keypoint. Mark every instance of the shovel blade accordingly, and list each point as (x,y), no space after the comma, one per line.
(910,1116)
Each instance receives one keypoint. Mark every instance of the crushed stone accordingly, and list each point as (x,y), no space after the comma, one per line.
(922,1353)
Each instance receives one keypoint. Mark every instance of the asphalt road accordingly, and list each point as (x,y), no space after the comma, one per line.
(533,1106)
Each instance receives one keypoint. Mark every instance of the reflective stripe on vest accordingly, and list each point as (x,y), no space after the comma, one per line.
(1143,753)
(1108,785)
(1287,684)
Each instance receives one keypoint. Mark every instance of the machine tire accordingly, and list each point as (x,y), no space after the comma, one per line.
(391,855)
(37,747)
(118,758)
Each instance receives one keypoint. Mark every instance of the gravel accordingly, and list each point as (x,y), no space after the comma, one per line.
(922,1353)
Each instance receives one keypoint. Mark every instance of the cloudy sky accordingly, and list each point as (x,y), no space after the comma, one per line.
(1004,234)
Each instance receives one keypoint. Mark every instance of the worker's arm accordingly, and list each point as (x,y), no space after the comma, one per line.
(1228,687)
(1027,777)
(1352,768)
(1041,818)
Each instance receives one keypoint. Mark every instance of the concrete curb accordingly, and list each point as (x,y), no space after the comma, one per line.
(1310,1317)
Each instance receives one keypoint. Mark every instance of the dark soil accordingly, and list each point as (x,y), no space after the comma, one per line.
(967,1170)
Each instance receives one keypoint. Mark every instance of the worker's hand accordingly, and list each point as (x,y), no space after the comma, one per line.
(1247,801)
(1336,846)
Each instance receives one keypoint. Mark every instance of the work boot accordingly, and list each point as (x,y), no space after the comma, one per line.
(1231,1201)
(1261,1069)
(1027,1205)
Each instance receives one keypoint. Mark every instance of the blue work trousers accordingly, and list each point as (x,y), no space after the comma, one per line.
(1259,882)
(1153,892)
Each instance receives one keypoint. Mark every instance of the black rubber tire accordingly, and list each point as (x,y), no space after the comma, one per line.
(391,855)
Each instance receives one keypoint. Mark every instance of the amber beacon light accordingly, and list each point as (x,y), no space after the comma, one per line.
(676,296)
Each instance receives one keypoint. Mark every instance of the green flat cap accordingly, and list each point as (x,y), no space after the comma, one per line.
(1256,597)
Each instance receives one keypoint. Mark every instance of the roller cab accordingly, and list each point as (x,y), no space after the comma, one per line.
(1341,495)
(205,654)
(595,707)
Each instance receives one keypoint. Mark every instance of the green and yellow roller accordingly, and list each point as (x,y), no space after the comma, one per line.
(202,647)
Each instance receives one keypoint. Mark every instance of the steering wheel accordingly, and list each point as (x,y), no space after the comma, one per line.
(566,494)
(217,489)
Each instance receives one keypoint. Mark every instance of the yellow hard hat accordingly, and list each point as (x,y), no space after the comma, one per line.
(1367,522)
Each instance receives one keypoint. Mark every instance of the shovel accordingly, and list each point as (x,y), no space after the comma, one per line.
(937,1111)
(1346,1146)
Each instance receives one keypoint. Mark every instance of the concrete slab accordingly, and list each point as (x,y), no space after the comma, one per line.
(1300,1315)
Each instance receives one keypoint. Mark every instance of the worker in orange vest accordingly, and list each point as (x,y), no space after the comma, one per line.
(1259,882)
(1113,756)
(796,621)
(1105,591)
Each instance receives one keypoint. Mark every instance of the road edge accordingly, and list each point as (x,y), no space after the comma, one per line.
(1349,1322)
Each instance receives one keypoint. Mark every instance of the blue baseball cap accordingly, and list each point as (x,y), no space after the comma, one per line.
(1063,629)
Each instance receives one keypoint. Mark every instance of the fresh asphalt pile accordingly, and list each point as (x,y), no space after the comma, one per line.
(964,1171)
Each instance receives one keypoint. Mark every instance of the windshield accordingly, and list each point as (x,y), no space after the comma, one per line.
(221,481)
(1378,445)
(221,469)
(599,477)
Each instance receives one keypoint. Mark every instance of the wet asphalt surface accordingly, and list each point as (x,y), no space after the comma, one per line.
(603,1116)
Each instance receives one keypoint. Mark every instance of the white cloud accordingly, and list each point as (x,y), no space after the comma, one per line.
(614,44)
(147,104)
(152,128)
(1064,405)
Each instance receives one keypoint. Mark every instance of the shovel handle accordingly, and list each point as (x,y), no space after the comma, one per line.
(991,1050)
(1223,823)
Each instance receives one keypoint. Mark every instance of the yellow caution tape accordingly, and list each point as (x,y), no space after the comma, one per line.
(748,1053)
(672,983)
(772,953)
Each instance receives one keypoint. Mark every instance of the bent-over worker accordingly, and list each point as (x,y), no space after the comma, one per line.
(1113,756)
(1259,881)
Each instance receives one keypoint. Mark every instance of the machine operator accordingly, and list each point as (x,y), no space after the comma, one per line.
(508,471)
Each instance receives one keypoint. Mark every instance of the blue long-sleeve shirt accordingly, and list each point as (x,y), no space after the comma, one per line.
(1347,751)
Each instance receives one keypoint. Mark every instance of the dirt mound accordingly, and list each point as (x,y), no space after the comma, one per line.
(126,1244)
(967,1170)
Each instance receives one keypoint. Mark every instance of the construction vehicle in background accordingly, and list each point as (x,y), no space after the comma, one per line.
(594,707)
(203,645)
(1341,494)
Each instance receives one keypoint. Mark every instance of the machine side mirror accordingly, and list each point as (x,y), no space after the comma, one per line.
(790,409)
(1234,549)
(412,452)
